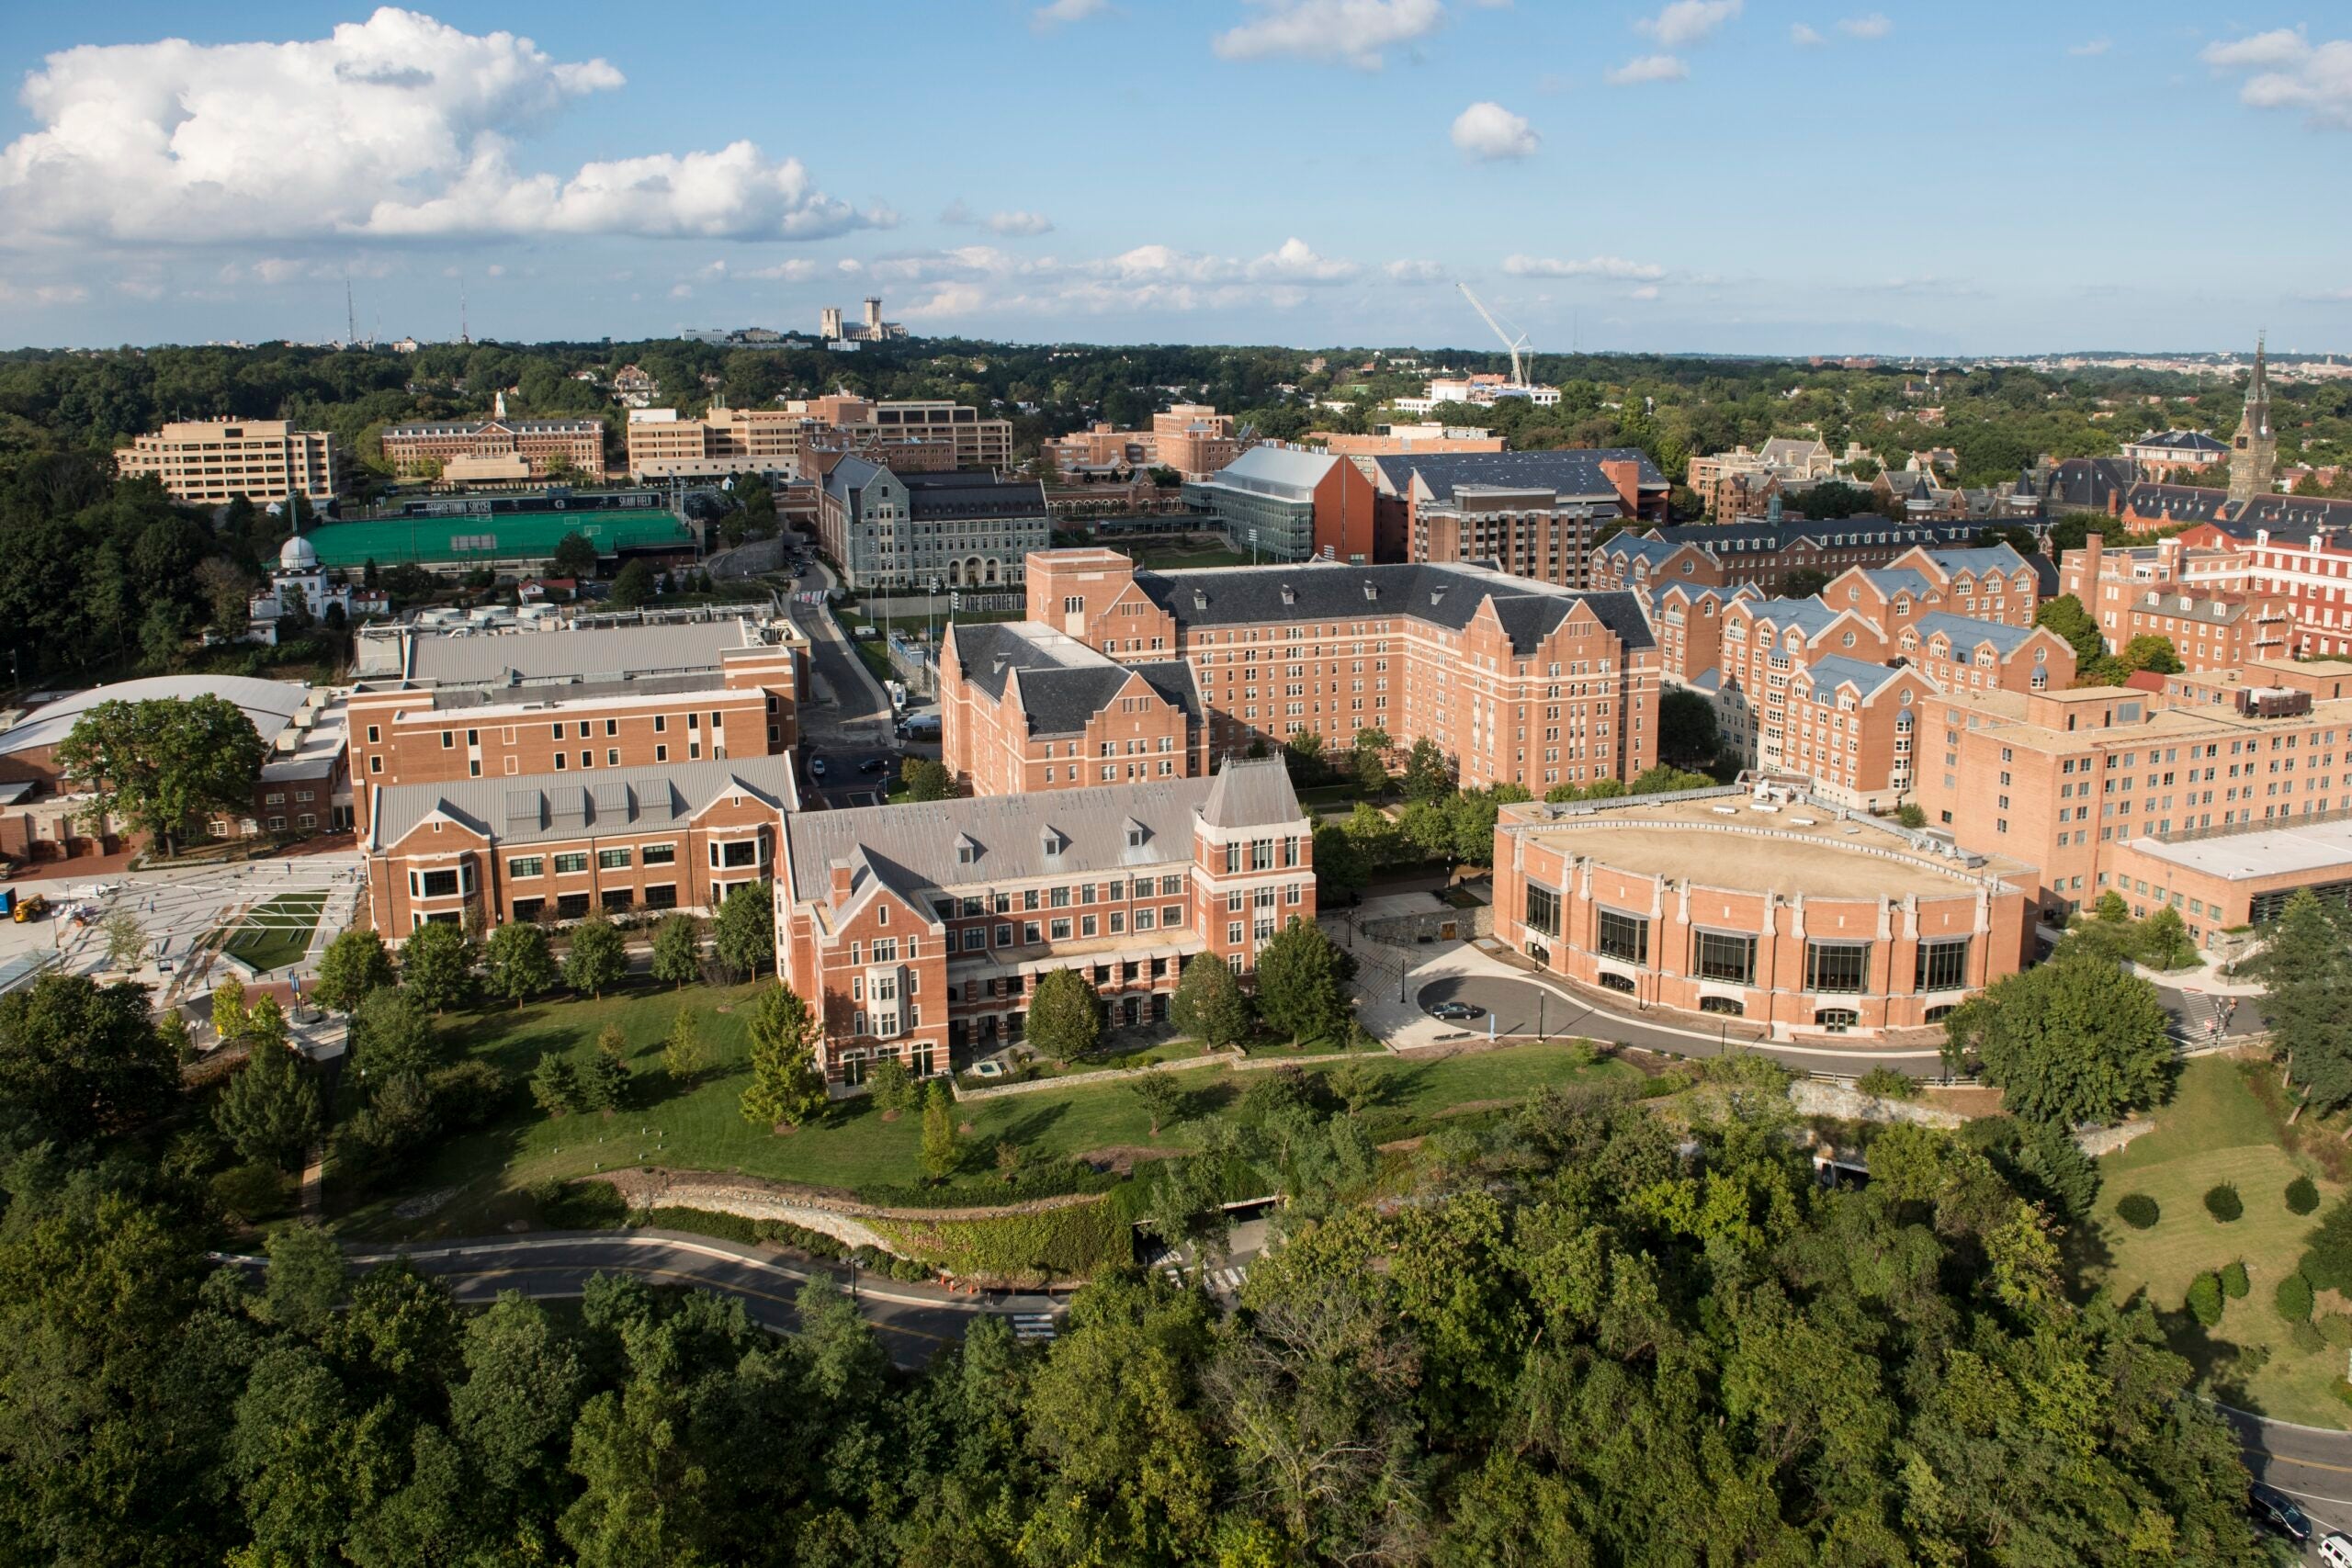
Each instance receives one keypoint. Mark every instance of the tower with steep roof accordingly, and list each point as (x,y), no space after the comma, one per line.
(2254,452)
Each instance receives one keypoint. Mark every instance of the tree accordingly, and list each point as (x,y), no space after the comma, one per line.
(354,964)
(1429,774)
(393,1034)
(1303,982)
(230,1014)
(2305,967)
(743,933)
(939,1154)
(437,965)
(225,594)
(1064,1015)
(1372,739)
(1370,773)
(305,1279)
(597,959)
(926,780)
(518,963)
(1162,1099)
(891,1088)
(683,1055)
(604,1083)
(1663,780)
(81,1061)
(1803,583)
(2151,651)
(555,1085)
(270,1110)
(633,586)
(1339,864)
(1473,814)
(1686,728)
(1304,752)
(575,557)
(2065,616)
(126,942)
(158,763)
(787,1088)
(2071,1040)
(677,950)
(1379,843)
(1209,1004)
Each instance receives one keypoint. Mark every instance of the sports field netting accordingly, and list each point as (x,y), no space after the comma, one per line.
(501,537)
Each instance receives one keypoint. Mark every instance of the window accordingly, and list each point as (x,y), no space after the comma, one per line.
(612,860)
(662,897)
(438,883)
(1625,936)
(1838,966)
(525,865)
(1943,965)
(1611,980)
(571,864)
(658,854)
(1061,928)
(1834,1020)
(1543,909)
(528,909)
(1726,956)
(1729,1007)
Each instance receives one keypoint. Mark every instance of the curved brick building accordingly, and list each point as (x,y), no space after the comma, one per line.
(1784,912)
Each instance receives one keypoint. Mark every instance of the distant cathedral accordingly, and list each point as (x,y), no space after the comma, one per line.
(2253,454)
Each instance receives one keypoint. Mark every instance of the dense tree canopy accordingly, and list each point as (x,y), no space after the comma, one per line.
(2075,1040)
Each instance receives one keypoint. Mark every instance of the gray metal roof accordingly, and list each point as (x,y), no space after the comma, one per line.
(920,849)
(270,704)
(537,807)
(1809,615)
(1329,591)
(1570,472)
(1965,632)
(971,494)
(1275,471)
(1831,671)
(1979,560)
(597,653)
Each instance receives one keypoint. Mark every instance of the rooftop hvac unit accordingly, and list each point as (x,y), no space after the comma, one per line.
(2272,702)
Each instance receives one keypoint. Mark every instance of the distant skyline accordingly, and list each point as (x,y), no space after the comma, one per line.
(1728,176)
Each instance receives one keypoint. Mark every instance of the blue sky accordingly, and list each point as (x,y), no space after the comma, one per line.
(1733,176)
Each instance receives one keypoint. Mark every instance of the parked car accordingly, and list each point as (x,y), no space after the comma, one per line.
(873,764)
(816,767)
(2273,1507)
(2335,1550)
(1457,1010)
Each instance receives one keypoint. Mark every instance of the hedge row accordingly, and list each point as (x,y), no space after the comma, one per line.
(1061,1244)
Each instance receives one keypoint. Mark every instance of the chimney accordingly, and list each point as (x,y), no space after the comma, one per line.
(2093,545)
(1627,477)
(841,881)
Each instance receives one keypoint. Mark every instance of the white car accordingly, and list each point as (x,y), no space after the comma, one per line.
(816,767)
(2335,1550)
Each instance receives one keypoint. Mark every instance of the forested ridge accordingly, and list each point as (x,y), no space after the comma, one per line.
(1581,1336)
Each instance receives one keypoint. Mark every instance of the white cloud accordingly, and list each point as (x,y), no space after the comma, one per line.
(1590,267)
(2091,48)
(682,291)
(1646,68)
(1488,130)
(801,270)
(1355,31)
(2286,69)
(1686,22)
(961,216)
(1647,292)
(1044,18)
(396,127)
(1804,35)
(1293,262)
(46,293)
(974,280)
(1414,272)
(1877,25)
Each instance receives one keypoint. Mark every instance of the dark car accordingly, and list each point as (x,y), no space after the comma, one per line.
(873,764)
(1457,1010)
(2273,1507)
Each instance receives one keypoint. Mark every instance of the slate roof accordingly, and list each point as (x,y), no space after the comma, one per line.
(2194,441)
(914,847)
(1831,671)
(1966,632)
(971,494)
(1442,595)
(1059,681)
(538,808)
(1570,472)
(1979,560)
(2089,484)
(1757,536)
(1810,617)
(1894,580)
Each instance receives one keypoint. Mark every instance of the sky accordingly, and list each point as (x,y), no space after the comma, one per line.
(1740,176)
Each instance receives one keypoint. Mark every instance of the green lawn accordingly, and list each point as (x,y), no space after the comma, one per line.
(277,933)
(2215,1129)
(483,1173)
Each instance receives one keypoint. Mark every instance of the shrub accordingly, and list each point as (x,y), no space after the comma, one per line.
(2224,1203)
(703,1222)
(2320,1269)
(2234,1284)
(2303,1198)
(2294,1299)
(250,1192)
(2336,1329)
(2304,1337)
(1886,1083)
(2138,1209)
(2205,1299)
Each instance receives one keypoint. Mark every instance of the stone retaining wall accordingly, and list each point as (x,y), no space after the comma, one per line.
(1407,931)
(843,1219)
(1815,1097)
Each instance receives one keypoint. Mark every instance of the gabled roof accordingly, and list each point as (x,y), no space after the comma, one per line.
(1059,681)
(1447,596)
(1979,560)
(540,807)
(1566,471)
(2191,442)
(1810,617)
(1894,580)
(1831,671)
(1967,632)
(1277,471)
(926,849)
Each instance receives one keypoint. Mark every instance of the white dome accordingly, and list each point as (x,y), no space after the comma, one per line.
(297,556)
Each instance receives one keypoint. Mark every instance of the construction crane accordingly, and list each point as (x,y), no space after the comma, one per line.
(1518,365)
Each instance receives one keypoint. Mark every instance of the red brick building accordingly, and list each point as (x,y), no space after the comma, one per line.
(576,702)
(1520,682)
(1532,513)
(1025,707)
(514,449)
(1776,909)
(552,847)
(920,931)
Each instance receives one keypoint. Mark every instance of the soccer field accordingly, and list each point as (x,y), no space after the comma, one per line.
(500,537)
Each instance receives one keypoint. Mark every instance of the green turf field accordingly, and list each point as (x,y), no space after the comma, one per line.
(277,933)
(502,536)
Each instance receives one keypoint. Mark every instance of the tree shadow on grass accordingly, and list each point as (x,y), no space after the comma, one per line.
(1032,1125)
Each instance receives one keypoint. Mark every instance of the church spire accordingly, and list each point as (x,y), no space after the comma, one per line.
(2254,455)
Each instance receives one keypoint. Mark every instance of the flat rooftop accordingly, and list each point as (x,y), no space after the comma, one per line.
(2267,851)
(1725,839)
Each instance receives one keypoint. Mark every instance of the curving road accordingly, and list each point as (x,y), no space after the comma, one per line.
(912,1321)
(2310,1464)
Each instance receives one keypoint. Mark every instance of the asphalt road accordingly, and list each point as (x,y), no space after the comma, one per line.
(912,1321)
(2310,1464)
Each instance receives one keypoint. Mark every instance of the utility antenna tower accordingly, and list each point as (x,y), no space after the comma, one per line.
(463,336)
(1517,345)
(350,316)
